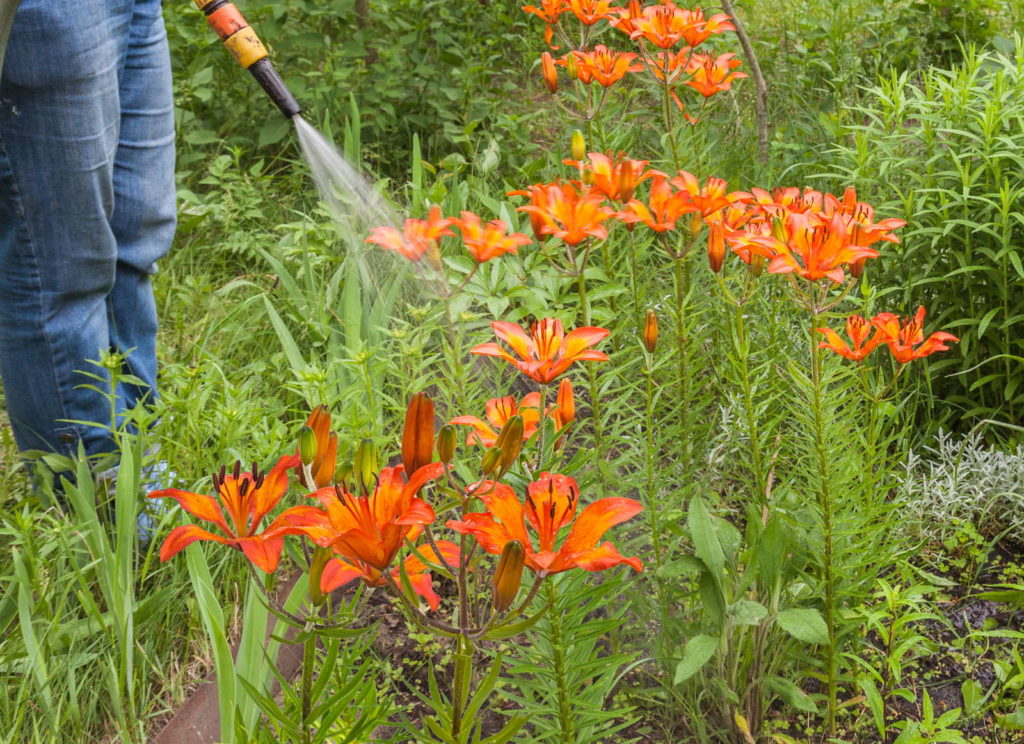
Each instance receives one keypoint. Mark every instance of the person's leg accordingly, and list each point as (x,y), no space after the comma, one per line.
(59,128)
(144,205)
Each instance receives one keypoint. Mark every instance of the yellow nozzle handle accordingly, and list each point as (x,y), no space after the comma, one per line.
(245,46)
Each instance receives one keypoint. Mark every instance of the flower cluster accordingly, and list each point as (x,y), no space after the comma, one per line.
(365,517)
(904,337)
(419,238)
(665,38)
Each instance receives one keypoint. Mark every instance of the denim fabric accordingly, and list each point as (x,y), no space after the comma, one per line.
(86,209)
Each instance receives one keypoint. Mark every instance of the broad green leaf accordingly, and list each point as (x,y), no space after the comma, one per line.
(791,694)
(804,624)
(705,541)
(696,654)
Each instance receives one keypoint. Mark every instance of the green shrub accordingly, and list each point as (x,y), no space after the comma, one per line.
(951,147)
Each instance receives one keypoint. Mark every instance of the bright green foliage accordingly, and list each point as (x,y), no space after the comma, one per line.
(949,147)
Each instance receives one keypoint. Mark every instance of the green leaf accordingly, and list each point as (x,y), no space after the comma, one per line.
(748,612)
(804,624)
(705,541)
(697,653)
(791,694)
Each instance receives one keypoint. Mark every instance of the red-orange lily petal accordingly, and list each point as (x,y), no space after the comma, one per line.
(551,504)
(858,329)
(664,25)
(905,338)
(604,66)
(490,241)
(368,530)
(711,75)
(247,498)
(548,351)
(663,209)
(498,412)
(590,12)
(338,572)
(568,213)
(416,238)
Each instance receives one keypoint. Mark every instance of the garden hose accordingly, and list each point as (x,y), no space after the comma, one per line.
(245,46)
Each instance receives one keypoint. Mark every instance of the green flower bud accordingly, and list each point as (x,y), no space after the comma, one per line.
(447,441)
(367,466)
(307,445)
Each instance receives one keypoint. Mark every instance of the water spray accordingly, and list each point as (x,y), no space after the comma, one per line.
(245,46)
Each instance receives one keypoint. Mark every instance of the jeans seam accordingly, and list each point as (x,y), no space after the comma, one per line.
(36,277)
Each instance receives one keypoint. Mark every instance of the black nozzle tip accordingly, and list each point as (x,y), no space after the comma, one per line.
(272,83)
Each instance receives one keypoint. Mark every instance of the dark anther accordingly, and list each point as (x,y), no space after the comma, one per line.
(238,468)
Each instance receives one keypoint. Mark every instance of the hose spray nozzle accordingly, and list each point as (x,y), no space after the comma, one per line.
(245,46)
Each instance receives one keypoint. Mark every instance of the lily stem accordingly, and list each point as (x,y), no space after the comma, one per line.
(825,504)
(308,658)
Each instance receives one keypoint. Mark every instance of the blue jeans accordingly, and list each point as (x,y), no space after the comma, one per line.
(87,207)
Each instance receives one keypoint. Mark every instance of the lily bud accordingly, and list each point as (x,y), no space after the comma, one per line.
(447,439)
(696,223)
(757,264)
(508,575)
(716,246)
(779,230)
(343,474)
(489,462)
(650,332)
(418,437)
(566,403)
(570,67)
(626,182)
(510,442)
(857,268)
(367,466)
(316,570)
(307,445)
(578,146)
(549,71)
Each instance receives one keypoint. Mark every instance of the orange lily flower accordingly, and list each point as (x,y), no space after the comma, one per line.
(485,243)
(590,12)
(664,25)
(549,11)
(247,498)
(667,66)
(338,572)
(547,351)
(809,246)
(538,194)
(551,504)
(903,336)
(617,178)
(624,19)
(864,231)
(323,466)
(368,531)
(499,411)
(709,198)
(568,213)
(664,206)
(416,238)
(699,29)
(713,74)
(858,329)
(604,65)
